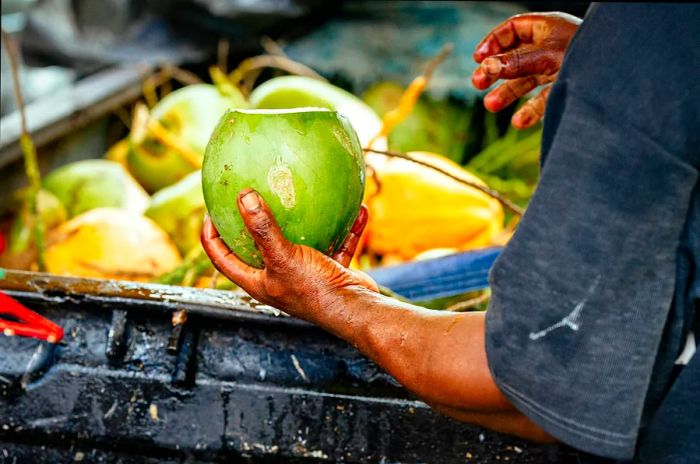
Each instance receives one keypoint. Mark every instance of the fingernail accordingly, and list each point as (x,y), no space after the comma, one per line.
(522,119)
(251,201)
(483,50)
(476,80)
(493,102)
(492,66)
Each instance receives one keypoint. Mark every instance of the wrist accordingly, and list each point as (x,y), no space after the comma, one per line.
(346,311)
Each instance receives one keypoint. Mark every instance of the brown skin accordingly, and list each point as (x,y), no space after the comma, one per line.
(415,345)
(526,51)
(440,356)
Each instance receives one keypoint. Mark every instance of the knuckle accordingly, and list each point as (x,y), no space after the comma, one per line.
(262,226)
(535,106)
(517,60)
(509,89)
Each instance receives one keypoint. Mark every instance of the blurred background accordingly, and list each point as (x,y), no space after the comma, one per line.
(358,42)
(100,219)
(98,75)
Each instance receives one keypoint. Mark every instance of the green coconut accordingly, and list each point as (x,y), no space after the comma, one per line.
(306,163)
(190,114)
(437,126)
(179,210)
(301,91)
(51,213)
(90,184)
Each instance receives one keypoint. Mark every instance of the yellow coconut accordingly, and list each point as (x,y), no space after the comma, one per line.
(111,243)
(415,208)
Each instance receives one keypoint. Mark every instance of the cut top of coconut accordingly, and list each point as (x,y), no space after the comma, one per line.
(303,109)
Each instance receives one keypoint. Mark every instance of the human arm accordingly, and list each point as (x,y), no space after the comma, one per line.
(526,51)
(439,356)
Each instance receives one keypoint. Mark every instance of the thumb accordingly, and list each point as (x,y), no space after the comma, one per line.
(522,62)
(264,228)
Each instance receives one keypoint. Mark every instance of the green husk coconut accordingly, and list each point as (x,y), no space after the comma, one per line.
(179,210)
(436,126)
(301,91)
(306,163)
(90,184)
(189,115)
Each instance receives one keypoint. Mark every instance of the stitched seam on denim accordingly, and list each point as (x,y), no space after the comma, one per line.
(568,424)
(502,385)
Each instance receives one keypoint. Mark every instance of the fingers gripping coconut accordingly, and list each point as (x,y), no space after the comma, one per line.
(306,163)
(307,170)
(293,274)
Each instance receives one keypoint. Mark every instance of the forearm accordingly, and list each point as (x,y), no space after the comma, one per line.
(438,355)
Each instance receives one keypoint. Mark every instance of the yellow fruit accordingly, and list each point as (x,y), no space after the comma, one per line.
(110,243)
(415,208)
(118,153)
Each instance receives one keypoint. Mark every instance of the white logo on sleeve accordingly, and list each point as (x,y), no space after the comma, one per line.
(571,320)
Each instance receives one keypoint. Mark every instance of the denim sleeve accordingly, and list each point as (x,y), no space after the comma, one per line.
(582,292)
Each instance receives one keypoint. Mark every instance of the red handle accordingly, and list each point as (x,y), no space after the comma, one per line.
(28,324)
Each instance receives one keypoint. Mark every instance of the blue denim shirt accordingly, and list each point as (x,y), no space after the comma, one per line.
(595,296)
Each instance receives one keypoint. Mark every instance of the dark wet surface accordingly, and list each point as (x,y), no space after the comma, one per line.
(233,382)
